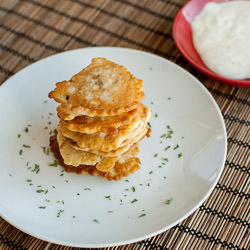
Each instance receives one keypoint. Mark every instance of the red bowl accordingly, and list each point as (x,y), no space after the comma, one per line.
(183,38)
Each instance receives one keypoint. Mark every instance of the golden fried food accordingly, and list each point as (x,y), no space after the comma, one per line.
(122,168)
(118,151)
(105,142)
(108,124)
(101,89)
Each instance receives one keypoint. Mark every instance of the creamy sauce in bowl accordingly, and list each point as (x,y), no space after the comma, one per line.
(221,36)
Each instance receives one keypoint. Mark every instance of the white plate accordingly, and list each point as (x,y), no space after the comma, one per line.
(179,100)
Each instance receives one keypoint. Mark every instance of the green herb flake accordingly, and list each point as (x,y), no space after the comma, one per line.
(148,184)
(182,137)
(107,197)
(47,200)
(26,130)
(29,180)
(179,155)
(10,174)
(78,194)
(40,190)
(20,152)
(53,187)
(177,146)
(163,135)
(19,135)
(46,150)
(46,191)
(151,172)
(169,98)
(50,113)
(164,177)
(155,155)
(73,216)
(36,169)
(89,189)
(126,180)
(156,115)
(42,207)
(133,189)
(151,102)
(59,213)
(142,215)
(45,101)
(67,181)
(168,202)
(26,146)
(110,211)
(134,200)
(149,124)
(168,147)
(27,163)
(96,221)
(159,166)
(164,159)
(54,164)
(168,127)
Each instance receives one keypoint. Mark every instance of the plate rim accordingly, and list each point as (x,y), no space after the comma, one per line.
(201,67)
(132,240)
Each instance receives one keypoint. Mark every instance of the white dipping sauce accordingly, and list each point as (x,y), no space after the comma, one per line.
(221,36)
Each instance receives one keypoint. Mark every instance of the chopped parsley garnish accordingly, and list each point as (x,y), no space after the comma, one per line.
(74,216)
(53,187)
(89,189)
(168,202)
(177,146)
(96,221)
(134,200)
(26,146)
(163,135)
(40,190)
(155,155)
(29,180)
(50,113)
(45,101)
(10,174)
(19,135)
(36,169)
(46,150)
(46,191)
(27,163)
(182,137)
(169,98)
(20,152)
(164,177)
(78,194)
(133,188)
(149,124)
(67,181)
(46,128)
(126,180)
(151,172)
(159,166)
(47,200)
(26,130)
(108,197)
(165,159)
(168,127)
(168,147)
(59,213)
(42,207)
(179,155)
(142,215)
(156,115)
(152,103)
(148,184)
(54,164)
(110,211)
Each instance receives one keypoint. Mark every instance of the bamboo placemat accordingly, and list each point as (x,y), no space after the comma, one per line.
(34,29)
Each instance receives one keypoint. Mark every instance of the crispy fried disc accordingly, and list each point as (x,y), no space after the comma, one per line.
(101,89)
(107,124)
(105,142)
(120,170)
(74,157)
(118,151)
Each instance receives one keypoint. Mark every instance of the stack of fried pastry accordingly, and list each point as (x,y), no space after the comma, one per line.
(101,122)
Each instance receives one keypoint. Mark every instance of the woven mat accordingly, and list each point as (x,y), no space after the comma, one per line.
(34,29)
